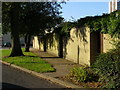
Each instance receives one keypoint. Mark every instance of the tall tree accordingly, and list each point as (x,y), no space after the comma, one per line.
(28,19)
(12,13)
(16,47)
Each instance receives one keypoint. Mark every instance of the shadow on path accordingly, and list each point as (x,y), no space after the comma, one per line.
(50,57)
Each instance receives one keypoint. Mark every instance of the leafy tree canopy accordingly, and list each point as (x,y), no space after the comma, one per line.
(34,17)
(28,18)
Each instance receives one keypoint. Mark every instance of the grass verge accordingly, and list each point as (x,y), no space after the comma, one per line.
(29,61)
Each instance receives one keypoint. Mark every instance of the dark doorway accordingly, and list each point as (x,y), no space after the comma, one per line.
(95,45)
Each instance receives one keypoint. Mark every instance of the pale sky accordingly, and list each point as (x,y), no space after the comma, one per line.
(81,9)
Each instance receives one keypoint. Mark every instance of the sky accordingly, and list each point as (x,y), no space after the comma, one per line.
(81,9)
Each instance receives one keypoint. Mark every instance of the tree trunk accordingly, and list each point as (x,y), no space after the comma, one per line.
(26,38)
(16,47)
(60,46)
(27,42)
(45,44)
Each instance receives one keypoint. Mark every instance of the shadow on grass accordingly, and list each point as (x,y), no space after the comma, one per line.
(30,56)
(19,56)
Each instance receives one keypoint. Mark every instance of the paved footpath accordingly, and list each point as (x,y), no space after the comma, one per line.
(61,65)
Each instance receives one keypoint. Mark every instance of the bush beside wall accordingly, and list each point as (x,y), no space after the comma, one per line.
(107,66)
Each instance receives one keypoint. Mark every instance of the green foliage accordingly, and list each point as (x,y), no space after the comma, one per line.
(79,73)
(33,17)
(107,66)
(107,23)
(116,43)
(83,74)
(64,28)
(114,24)
(30,61)
(29,18)
(5,18)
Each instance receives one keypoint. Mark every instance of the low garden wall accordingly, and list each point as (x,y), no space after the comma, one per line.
(81,46)
(107,42)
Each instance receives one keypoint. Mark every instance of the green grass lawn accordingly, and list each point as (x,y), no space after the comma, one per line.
(29,61)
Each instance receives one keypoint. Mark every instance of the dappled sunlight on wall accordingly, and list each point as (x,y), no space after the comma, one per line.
(79,47)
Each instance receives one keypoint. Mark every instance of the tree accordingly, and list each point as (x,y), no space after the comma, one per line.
(28,19)
(11,12)
(40,17)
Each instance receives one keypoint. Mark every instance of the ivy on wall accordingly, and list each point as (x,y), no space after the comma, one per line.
(64,28)
(107,23)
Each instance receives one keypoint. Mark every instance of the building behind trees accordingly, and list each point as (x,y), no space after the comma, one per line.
(114,5)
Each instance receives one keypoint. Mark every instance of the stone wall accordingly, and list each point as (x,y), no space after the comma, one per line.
(78,46)
(81,47)
(48,43)
(107,42)
(75,48)
(36,43)
(52,44)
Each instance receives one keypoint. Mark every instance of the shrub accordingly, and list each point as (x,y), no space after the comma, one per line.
(82,74)
(107,66)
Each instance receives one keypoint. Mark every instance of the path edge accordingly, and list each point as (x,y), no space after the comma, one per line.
(39,75)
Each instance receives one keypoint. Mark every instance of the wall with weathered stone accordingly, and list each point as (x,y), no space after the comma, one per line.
(107,42)
(76,48)
(35,43)
(52,44)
